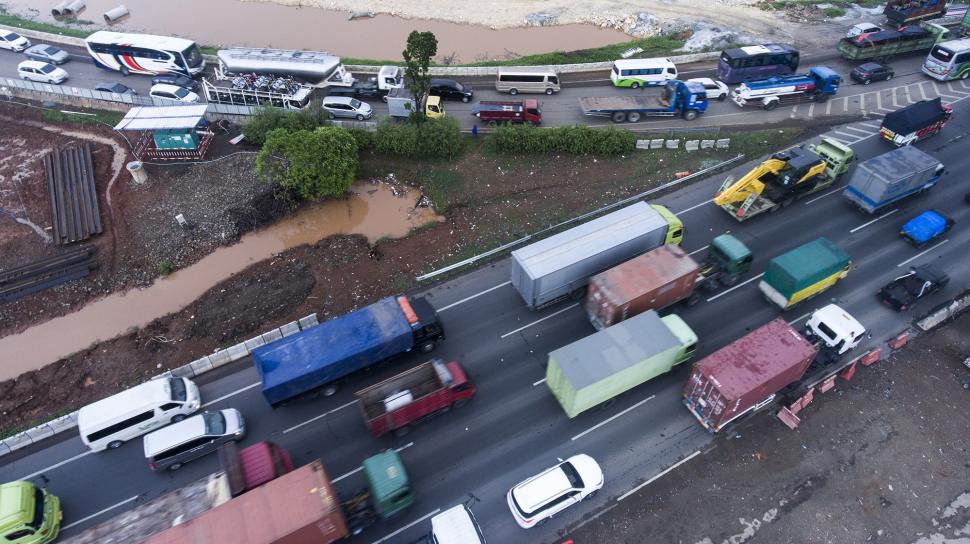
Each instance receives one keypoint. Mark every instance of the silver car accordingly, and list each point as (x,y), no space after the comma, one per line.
(345,106)
(47,53)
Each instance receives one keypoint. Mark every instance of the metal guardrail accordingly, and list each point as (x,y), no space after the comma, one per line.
(587,215)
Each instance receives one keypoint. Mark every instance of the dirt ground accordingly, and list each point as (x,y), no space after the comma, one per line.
(881,459)
(487,200)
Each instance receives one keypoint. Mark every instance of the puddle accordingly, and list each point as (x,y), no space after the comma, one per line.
(264,24)
(374,211)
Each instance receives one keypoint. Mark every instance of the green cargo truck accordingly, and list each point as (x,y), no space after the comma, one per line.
(879,46)
(804,272)
(28,514)
(616,359)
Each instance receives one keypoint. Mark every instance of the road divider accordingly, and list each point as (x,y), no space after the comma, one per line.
(738,286)
(864,225)
(321,416)
(658,476)
(536,322)
(476,295)
(611,418)
(98,513)
(921,253)
(408,526)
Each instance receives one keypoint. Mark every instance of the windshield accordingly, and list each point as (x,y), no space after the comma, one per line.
(215,423)
(51,50)
(178,388)
(192,56)
(572,475)
(11,36)
(181,93)
(355,104)
(38,509)
(942,54)
(47,68)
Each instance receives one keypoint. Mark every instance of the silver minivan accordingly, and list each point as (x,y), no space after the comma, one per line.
(527,80)
(202,434)
(346,106)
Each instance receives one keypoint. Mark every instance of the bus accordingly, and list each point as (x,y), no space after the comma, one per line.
(636,72)
(948,60)
(756,61)
(317,68)
(144,53)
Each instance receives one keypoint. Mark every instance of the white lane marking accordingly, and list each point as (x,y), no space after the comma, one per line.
(476,295)
(98,513)
(855,129)
(693,207)
(358,469)
(408,526)
(922,91)
(234,393)
(543,380)
(864,225)
(536,322)
(52,467)
(797,319)
(325,414)
(699,250)
(611,418)
(655,478)
(820,197)
(921,253)
(738,286)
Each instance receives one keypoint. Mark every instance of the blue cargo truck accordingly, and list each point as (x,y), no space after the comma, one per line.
(890,177)
(315,359)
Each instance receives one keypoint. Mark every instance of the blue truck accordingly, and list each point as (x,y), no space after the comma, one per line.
(925,227)
(687,99)
(819,84)
(890,177)
(315,359)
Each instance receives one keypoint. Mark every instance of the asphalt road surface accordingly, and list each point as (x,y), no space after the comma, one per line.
(514,427)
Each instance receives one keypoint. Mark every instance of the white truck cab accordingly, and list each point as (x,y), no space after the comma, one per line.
(835,329)
(390,77)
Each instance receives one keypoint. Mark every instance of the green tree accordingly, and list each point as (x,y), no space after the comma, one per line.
(314,164)
(421,48)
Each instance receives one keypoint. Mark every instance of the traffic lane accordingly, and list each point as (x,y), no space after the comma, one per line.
(82,73)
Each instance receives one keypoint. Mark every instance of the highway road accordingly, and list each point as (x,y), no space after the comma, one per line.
(514,427)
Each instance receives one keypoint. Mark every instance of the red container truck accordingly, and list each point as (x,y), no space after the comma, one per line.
(493,112)
(746,374)
(401,401)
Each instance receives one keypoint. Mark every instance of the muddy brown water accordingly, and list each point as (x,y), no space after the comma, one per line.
(264,24)
(374,211)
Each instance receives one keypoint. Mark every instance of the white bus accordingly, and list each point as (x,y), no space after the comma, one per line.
(314,67)
(948,60)
(144,53)
(636,72)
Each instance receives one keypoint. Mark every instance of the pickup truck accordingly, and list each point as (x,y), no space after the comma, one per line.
(926,226)
(493,112)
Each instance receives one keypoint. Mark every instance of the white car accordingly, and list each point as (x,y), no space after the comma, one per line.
(13,41)
(172,92)
(862,28)
(35,70)
(716,90)
(542,496)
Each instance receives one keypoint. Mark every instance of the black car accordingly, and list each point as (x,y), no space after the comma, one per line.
(118,88)
(871,71)
(179,80)
(904,291)
(360,89)
(449,89)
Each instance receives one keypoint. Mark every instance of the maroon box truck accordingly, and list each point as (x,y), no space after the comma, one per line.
(493,112)
(652,281)
(745,375)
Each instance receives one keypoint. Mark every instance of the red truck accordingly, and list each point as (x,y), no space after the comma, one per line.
(401,401)
(493,112)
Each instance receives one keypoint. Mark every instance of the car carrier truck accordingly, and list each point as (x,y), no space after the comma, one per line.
(803,272)
(560,266)
(314,359)
(679,99)
(890,177)
(597,368)
(662,277)
(747,374)
(819,84)
(784,178)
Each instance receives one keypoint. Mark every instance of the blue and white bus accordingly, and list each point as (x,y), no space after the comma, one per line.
(144,53)
(948,60)
(756,62)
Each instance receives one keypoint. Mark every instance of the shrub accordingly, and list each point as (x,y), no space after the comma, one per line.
(164,267)
(575,140)
(364,139)
(833,11)
(267,119)
(434,138)
(314,164)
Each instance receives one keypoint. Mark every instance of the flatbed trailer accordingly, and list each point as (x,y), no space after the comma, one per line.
(683,99)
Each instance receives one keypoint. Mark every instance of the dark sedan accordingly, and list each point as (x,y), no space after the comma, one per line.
(871,71)
(901,293)
(116,88)
(360,89)
(449,89)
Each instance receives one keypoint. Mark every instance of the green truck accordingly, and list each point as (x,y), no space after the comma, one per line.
(804,272)
(879,46)
(597,368)
(28,514)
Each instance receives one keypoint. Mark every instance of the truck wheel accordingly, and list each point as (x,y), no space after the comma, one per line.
(329,390)
(401,432)
(693,299)
(633,117)
(459,403)
(770,105)
(729,280)
(635,85)
(690,115)
(965,75)
(513,91)
(618,117)
(125,71)
(821,97)
(384,99)
(550,91)
(427,347)
(492,124)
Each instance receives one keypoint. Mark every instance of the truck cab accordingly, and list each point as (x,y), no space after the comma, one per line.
(28,514)
(688,97)
(729,258)
(400,104)
(388,484)
(835,329)
(826,79)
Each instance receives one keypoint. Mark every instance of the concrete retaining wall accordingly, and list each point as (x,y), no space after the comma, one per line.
(945,312)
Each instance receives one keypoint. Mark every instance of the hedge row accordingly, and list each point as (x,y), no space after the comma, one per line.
(577,140)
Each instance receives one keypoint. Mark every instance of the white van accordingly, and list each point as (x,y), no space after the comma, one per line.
(111,422)
(635,73)
(527,80)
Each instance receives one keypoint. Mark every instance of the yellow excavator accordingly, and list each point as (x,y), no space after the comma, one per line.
(782,178)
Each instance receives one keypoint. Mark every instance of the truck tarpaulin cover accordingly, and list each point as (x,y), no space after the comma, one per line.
(915,116)
(804,266)
(325,352)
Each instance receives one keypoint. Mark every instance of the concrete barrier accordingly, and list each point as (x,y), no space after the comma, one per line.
(945,312)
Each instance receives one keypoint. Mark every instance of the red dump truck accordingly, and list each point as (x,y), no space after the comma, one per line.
(493,112)
(424,391)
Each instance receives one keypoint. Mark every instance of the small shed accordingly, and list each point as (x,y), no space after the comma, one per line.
(170,132)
